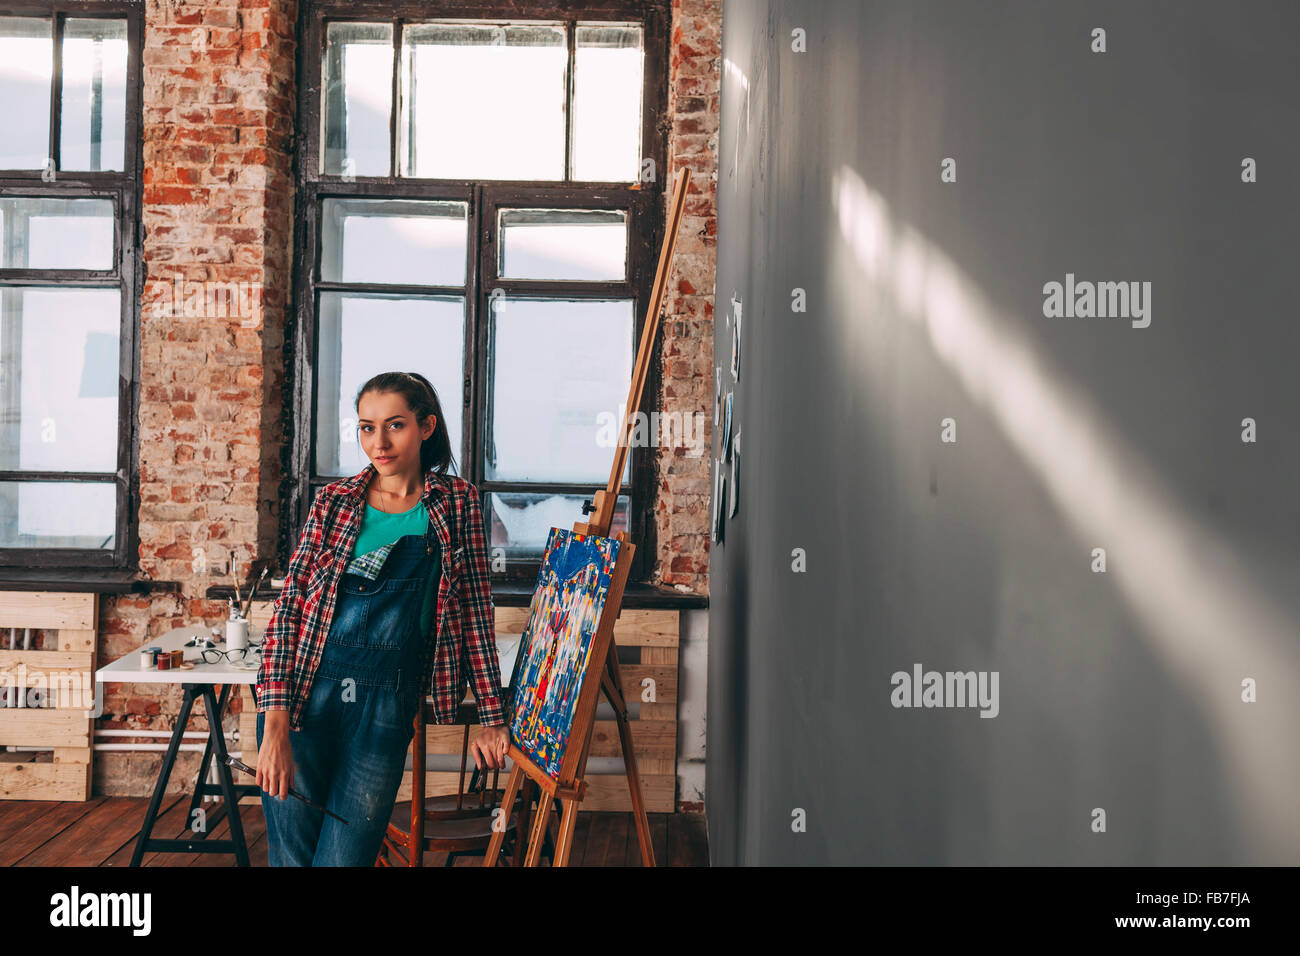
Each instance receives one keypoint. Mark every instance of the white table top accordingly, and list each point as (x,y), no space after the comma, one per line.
(127,669)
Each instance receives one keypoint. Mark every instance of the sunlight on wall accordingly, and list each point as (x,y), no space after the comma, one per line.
(1210,623)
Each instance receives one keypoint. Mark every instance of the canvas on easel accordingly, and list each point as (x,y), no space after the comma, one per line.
(572,587)
(566,659)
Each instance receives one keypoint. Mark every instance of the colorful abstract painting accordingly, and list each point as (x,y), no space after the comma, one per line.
(547,679)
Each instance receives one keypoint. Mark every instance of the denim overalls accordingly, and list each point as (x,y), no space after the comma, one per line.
(359,720)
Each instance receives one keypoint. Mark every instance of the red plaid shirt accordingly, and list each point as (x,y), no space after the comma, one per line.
(464,629)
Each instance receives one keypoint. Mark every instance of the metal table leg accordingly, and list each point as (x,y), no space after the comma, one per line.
(151,817)
(230,791)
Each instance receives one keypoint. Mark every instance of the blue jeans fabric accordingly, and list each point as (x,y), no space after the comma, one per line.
(359,719)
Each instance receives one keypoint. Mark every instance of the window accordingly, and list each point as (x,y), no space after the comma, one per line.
(69,201)
(480,200)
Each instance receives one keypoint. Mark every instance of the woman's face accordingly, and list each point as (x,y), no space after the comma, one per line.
(389,434)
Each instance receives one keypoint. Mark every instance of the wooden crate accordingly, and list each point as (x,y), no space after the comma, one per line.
(654,634)
(64,770)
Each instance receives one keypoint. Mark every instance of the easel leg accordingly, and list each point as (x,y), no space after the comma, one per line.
(569,813)
(169,761)
(507,807)
(539,829)
(521,822)
(634,785)
(568,817)
(613,685)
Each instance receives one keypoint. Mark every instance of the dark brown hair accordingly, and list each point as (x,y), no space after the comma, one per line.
(435,451)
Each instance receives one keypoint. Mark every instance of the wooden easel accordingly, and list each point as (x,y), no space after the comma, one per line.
(571,785)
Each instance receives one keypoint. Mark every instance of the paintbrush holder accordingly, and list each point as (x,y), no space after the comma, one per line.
(237,634)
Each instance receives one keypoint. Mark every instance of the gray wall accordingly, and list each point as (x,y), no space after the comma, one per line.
(1119,690)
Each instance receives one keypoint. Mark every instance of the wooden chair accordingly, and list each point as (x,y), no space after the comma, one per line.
(458,824)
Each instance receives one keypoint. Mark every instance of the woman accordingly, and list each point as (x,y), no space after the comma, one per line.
(386,596)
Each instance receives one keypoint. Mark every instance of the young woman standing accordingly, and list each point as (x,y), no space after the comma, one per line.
(386,601)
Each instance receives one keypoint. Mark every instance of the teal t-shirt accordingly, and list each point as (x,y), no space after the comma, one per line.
(379,528)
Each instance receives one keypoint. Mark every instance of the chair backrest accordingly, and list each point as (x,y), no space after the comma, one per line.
(466,714)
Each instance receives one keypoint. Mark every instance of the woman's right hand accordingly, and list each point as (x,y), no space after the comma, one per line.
(275,756)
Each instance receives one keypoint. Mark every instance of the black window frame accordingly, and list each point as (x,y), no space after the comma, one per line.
(124,189)
(644,203)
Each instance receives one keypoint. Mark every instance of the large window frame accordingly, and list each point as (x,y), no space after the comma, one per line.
(123,189)
(642,202)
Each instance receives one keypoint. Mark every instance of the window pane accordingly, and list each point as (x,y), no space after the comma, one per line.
(560,376)
(26,69)
(57,514)
(521,522)
(394,240)
(59,379)
(93,114)
(585,244)
(608,72)
(483,101)
(356,99)
(363,335)
(56,233)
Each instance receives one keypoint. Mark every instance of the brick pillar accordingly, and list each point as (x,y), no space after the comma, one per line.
(681,525)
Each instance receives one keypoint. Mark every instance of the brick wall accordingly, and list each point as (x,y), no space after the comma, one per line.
(217,208)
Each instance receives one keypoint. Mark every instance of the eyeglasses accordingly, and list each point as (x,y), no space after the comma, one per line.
(239,655)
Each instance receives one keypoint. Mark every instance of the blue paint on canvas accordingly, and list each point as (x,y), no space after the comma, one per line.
(572,585)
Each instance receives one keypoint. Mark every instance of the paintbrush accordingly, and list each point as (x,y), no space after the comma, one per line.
(240,765)
(238,598)
(256,584)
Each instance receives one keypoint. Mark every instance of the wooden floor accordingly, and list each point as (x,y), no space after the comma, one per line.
(102,832)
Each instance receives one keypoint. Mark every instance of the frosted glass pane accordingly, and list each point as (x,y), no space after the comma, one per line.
(561,369)
(26,71)
(58,514)
(356,99)
(520,523)
(394,240)
(505,119)
(56,233)
(59,367)
(93,115)
(363,335)
(608,73)
(581,244)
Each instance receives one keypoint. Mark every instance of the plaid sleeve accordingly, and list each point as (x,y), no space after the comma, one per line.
(274,677)
(479,617)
